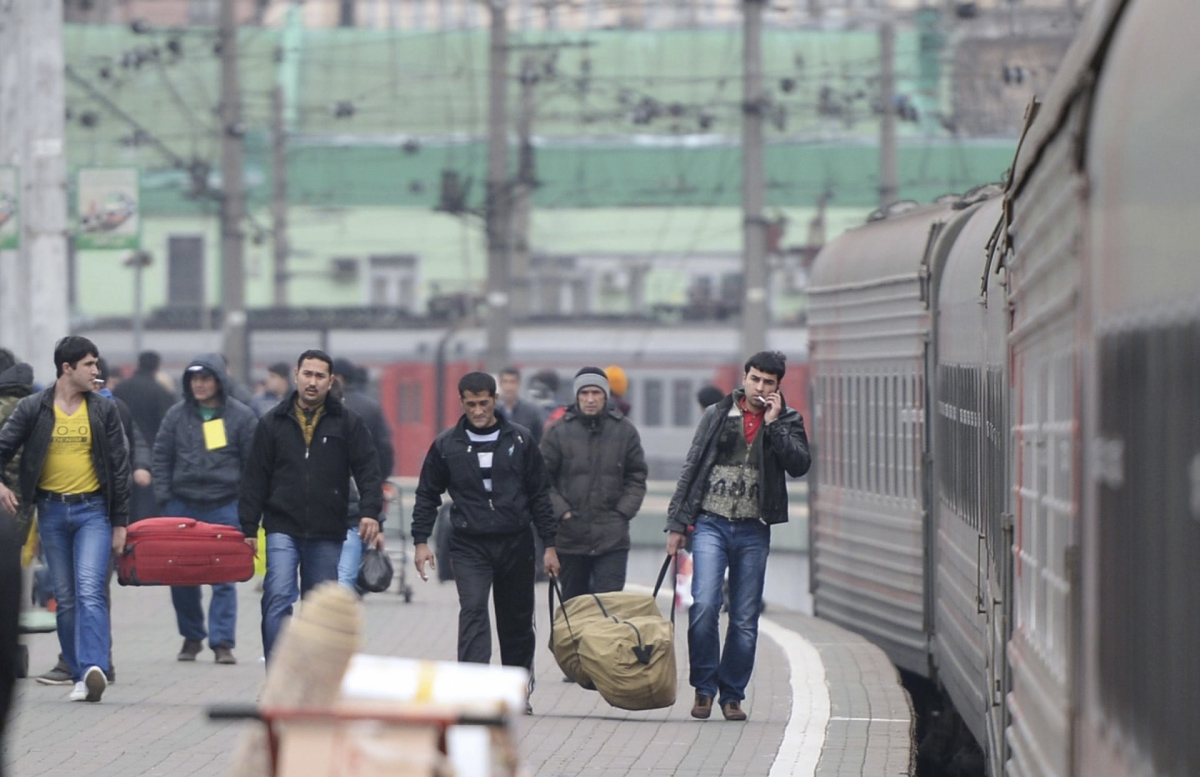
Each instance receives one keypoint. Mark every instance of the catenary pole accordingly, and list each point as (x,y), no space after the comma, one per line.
(233,203)
(498,216)
(32,107)
(754,227)
(887,124)
(279,207)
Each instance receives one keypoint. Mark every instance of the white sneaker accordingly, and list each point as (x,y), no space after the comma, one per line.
(94,682)
(79,692)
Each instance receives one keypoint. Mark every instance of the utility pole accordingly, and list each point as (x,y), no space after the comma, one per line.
(233,200)
(522,292)
(887,125)
(279,206)
(33,279)
(754,227)
(499,218)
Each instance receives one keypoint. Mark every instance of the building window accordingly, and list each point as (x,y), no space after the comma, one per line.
(652,402)
(392,281)
(204,11)
(185,271)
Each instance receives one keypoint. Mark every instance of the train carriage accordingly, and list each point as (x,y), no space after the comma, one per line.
(869,326)
(1139,679)
(968,497)
(1064,502)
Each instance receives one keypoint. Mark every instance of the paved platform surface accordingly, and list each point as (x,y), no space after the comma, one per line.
(821,701)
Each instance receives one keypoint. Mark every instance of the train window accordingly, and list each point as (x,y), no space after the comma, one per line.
(652,402)
(682,402)
(868,434)
(890,441)
(408,403)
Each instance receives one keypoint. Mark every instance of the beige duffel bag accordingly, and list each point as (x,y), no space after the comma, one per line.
(618,644)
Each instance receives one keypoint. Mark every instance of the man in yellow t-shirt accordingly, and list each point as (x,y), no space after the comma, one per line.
(75,466)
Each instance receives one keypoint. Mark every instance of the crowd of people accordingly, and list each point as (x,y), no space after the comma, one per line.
(305,459)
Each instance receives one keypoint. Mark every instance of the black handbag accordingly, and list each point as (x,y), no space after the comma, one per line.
(375,572)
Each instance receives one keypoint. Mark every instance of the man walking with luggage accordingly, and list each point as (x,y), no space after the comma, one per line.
(75,467)
(597,473)
(202,447)
(732,489)
(304,453)
(497,479)
(350,378)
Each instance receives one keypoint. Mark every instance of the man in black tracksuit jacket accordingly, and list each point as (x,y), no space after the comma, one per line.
(494,472)
(296,480)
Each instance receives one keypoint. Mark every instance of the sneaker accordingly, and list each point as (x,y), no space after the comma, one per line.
(733,711)
(79,692)
(59,675)
(191,648)
(702,707)
(224,655)
(94,683)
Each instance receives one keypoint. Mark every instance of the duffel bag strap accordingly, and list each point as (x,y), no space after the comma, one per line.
(662,575)
(552,589)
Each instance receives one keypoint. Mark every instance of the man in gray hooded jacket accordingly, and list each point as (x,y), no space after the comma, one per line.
(202,445)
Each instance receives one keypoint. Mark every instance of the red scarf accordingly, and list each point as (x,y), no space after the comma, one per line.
(752,419)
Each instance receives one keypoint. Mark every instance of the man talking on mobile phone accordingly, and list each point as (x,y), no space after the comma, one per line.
(733,487)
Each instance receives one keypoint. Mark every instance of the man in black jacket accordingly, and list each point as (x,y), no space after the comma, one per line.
(202,447)
(75,464)
(149,403)
(732,489)
(597,473)
(497,479)
(304,453)
(351,378)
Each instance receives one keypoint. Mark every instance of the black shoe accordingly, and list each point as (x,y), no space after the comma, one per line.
(528,708)
(191,648)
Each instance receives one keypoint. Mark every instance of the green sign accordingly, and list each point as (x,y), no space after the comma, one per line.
(10,209)
(108,208)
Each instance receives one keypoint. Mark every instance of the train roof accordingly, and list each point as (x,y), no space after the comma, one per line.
(1085,55)
(891,247)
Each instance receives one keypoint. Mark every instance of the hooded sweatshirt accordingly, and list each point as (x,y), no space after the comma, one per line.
(196,468)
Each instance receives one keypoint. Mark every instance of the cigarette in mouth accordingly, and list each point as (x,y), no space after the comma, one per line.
(760,400)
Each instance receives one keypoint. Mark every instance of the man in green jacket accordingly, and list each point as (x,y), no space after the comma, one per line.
(597,475)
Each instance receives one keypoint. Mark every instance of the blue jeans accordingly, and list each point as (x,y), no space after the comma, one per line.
(222,610)
(77,540)
(316,561)
(351,559)
(742,546)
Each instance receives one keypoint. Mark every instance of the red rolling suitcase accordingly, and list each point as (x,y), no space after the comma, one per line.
(184,551)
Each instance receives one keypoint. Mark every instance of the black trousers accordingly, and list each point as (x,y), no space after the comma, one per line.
(503,565)
(592,574)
